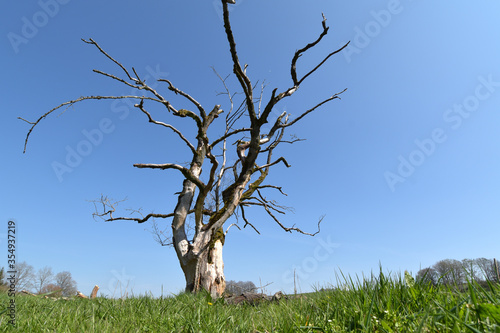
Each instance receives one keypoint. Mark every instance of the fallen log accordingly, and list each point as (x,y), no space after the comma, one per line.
(80,295)
(27,293)
(254,298)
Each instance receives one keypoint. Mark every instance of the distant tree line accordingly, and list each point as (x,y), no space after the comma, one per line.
(42,281)
(3,281)
(451,271)
(237,288)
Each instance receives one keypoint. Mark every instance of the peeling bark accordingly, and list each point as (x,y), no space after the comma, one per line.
(210,271)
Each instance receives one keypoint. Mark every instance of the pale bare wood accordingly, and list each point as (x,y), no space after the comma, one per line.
(94,292)
(27,293)
(80,295)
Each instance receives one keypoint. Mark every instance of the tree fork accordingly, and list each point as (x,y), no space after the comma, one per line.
(201,257)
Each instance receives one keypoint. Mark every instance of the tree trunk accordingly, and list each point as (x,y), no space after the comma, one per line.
(206,270)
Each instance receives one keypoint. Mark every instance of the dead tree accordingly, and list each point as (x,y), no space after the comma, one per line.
(200,256)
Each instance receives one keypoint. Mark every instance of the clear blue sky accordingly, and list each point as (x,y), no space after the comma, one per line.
(405,167)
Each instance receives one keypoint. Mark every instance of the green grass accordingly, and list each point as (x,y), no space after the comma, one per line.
(383,304)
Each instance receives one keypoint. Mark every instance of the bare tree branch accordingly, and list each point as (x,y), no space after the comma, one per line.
(224,150)
(140,106)
(117,79)
(322,62)
(281,159)
(91,41)
(185,171)
(70,103)
(240,74)
(312,109)
(246,220)
(226,136)
(274,203)
(159,236)
(268,209)
(187,96)
(187,113)
(277,140)
(109,207)
(262,87)
(200,201)
(261,203)
(231,225)
(275,187)
(141,220)
(299,53)
(296,82)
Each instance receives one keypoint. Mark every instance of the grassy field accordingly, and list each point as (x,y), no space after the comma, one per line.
(384,304)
